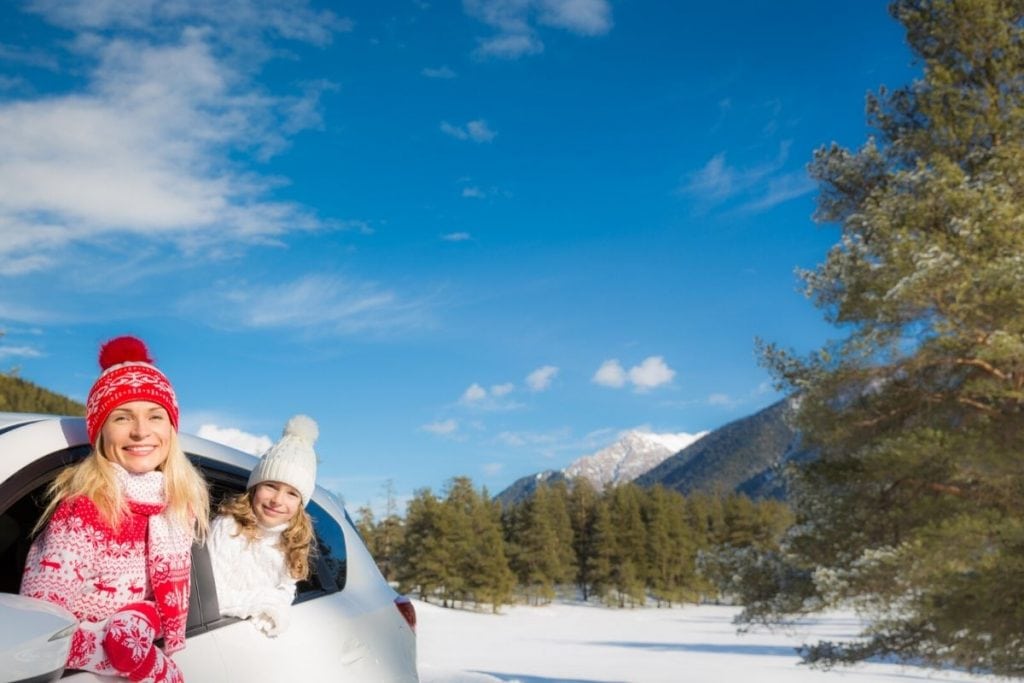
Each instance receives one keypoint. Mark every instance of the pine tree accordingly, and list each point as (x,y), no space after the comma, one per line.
(670,555)
(388,534)
(583,500)
(913,507)
(424,556)
(535,556)
(629,543)
(491,579)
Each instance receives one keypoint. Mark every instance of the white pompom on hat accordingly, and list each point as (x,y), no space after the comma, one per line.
(291,460)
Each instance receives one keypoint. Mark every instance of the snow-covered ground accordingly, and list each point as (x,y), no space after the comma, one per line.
(577,643)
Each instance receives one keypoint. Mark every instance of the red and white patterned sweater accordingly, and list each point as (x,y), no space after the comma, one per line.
(93,570)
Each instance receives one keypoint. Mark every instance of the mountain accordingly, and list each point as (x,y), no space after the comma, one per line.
(523,488)
(633,454)
(742,456)
(21,396)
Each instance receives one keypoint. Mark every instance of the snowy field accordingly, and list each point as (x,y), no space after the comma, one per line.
(576,643)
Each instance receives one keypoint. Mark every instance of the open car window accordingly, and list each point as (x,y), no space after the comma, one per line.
(328,564)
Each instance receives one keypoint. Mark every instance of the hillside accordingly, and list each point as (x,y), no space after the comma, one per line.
(740,456)
(21,396)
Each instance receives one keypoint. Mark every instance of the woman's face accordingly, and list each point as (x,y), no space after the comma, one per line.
(275,503)
(137,436)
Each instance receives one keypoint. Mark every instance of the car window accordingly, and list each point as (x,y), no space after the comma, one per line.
(22,500)
(330,545)
(328,564)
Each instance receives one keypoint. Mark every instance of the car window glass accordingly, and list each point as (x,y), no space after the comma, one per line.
(330,544)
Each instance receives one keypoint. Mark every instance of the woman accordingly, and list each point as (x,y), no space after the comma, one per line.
(116,535)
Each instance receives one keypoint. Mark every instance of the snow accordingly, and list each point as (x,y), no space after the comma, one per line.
(579,643)
(633,454)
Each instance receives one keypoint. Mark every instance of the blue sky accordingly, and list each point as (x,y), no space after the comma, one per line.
(477,238)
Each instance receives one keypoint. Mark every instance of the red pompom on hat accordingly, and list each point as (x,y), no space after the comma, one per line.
(128,375)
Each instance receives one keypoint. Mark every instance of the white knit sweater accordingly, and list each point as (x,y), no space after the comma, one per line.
(250,576)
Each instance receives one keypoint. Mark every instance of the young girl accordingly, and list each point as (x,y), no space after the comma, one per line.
(116,535)
(260,542)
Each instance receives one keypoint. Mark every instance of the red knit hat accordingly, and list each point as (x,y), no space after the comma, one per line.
(128,375)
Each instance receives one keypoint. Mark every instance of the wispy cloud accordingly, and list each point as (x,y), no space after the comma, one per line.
(651,373)
(152,146)
(314,304)
(541,378)
(516,23)
(473,192)
(442,72)
(442,427)
(456,237)
(18,352)
(754,188)
(476,131)
(503,389)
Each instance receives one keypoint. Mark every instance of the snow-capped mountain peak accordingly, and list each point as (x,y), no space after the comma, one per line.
(634,453)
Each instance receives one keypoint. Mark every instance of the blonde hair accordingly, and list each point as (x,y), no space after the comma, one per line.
(188,500)
(296,540)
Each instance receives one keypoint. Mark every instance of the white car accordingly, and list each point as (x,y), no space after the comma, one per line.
(347,623)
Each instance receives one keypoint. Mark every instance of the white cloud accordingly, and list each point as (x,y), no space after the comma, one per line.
(719,400)
(442,428)
(516,21)
(502,389)
(19,352)
(456,237)
(473,192)
(585,17)
(314,304)
(540,379)
(478,398)
(610,374)
(510,45)
(652,372)
(231,18)
(154,145)
(476,131)
(236,438)
(756,188)
(473,394)
(492,468)
(440,72)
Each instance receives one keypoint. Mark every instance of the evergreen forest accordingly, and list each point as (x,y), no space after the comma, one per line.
(620,547)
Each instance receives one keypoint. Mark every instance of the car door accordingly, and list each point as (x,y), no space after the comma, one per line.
(314,646)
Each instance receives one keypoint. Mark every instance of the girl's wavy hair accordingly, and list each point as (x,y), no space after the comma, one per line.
(185,490)
(296,540)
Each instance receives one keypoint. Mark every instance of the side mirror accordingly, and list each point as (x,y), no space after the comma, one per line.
(35,637)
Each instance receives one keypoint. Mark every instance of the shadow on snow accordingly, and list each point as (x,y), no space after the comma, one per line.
(528,678)
(711,648)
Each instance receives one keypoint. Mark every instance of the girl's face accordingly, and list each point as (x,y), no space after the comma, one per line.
(275,503)
(137,436)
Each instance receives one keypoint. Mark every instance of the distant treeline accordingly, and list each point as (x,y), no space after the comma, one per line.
(20,396)
(621,546)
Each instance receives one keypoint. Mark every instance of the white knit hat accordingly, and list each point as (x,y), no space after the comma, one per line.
(291,460)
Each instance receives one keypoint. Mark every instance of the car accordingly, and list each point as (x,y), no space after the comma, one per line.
(347,622)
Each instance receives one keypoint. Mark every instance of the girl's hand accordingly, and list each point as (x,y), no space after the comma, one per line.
(271,620)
